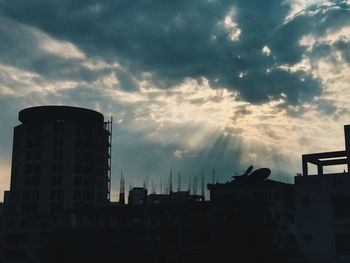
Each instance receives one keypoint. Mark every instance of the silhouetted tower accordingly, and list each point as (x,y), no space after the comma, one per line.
(171,181)
(347,145)
(213,176)
(61,160)
(195,184)
(178,181)
(202,186)
(153,190)
(122,189)
(189,185)
(161,185)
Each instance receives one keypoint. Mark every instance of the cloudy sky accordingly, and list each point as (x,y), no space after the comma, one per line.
(191,85)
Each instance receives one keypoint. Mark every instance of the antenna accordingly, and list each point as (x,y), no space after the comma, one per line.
(195,185)
(189,186)
(178,181)
(171,181)
(202,185)
(213,175)
(122,189)
(154,190)
(161,185)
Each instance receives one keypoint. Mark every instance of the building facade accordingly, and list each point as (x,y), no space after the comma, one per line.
(60,160)
(323,206)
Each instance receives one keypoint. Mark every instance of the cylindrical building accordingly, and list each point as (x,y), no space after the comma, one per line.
(60,160)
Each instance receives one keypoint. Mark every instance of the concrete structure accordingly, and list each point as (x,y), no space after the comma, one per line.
(137,196)
(265,202)
(323,207)
(61,160)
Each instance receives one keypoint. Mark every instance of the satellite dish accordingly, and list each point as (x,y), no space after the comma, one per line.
(248,171)
(260,174)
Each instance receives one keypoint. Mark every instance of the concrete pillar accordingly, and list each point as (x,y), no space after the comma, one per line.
(304,161)
(347,144)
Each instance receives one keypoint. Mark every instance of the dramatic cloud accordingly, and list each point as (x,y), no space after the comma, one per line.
(192,85)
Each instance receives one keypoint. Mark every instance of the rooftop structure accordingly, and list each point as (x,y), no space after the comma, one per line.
(323,207)
(329,158)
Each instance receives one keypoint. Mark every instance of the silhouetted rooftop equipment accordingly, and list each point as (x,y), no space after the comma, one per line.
(255,176)
(328,158)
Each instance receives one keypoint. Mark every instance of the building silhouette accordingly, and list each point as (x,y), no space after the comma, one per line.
(60,161)
(323,206)
(58,208)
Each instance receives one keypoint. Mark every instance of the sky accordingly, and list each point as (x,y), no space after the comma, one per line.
(191,85)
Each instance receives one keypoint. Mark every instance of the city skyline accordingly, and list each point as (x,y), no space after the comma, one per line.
(191,86)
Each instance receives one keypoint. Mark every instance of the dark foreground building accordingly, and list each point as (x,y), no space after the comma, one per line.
(323,206)
(58,207)
(60,161)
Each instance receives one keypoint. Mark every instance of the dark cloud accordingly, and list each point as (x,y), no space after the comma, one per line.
(179,39)
(171,40)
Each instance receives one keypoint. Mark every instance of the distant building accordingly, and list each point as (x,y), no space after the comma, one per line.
(179,197)
(137,196)
(60,160)
(260,201)
(323,207)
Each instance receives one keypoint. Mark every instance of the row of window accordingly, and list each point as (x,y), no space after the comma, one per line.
(342,243)
(82,181)
(30,181)
(82,195)
(31,194)
(56,180)
(33,142)
(58,141)
(30,207)
(340,205)
(33,155)
(56,194)
(83,168)
(59,127)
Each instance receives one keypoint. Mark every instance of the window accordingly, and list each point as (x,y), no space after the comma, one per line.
(307,237)
(77,181)
(278,216)
(26,194)
(58,141)
(78,168)
(56,194)
(57,168)
(59,127)
(290,218)
(29,155)
(77,194)
(87,195)
(277,195)
(28,168)
(56,181)
(35,180)
(341,205)
(27,181)
(342,244)
(304,201)
(58,155)
(37,155)
(35,194)
(78,155)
